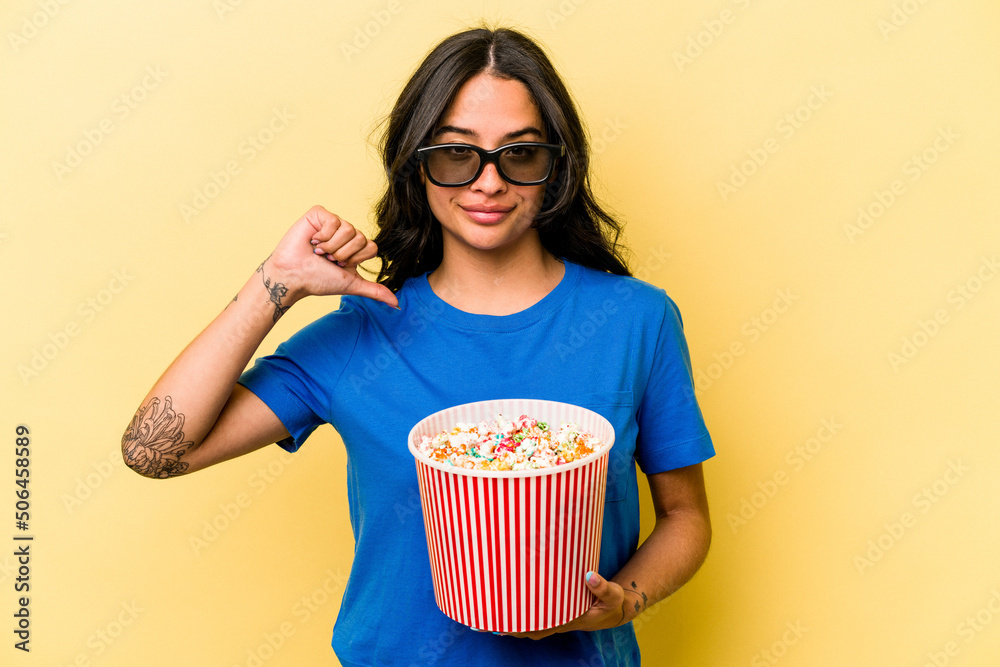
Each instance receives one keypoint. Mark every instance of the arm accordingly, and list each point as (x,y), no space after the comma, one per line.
(668,558)
(196,415)
(675,549)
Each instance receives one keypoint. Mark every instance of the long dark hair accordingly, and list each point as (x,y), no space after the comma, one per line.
(571,224)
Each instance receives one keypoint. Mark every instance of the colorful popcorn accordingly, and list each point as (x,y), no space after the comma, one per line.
(522,444)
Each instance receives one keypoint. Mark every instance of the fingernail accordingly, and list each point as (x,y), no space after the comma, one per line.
(475,629)
(498,634)
(314,241)
(591,581)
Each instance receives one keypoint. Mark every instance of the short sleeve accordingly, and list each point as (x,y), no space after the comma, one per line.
(297,380)
(672,431)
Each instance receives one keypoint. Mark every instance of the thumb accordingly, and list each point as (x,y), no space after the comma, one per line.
(607,592)
(375,291)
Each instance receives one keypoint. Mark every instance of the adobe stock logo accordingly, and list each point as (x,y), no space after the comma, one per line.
(899,16)
(88,483)
(797,458)
(59,340)
(565,9)
(230,512)
(968,629)
(711,30)
(106,636)
(121,107)
(30,25)
(779,648)
(223,7)
(785,127)
(913,169)
(271,642)
(363,35)
(923,501)
(597,317)
(928,329)
(752,329)
(218,180)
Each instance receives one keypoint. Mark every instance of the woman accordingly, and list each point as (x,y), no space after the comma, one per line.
(500,277)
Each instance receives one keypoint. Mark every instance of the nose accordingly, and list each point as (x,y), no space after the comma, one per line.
(489,182)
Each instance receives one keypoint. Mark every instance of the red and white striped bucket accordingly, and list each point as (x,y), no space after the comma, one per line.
(509,550)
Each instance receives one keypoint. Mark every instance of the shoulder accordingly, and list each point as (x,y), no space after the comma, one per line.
(628,293)
(329,332)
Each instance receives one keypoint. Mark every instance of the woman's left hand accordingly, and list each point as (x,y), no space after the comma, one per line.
(609,610)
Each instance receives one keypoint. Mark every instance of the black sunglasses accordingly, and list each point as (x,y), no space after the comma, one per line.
(522,163)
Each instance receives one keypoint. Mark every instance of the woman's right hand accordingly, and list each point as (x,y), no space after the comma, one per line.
(319,256)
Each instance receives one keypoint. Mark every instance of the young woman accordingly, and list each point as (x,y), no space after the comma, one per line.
(500,277)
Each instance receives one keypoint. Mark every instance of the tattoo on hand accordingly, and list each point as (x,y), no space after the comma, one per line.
(277,292)
(638,607)
(154,442)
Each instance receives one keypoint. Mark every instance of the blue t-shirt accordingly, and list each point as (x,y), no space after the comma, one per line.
(609,343)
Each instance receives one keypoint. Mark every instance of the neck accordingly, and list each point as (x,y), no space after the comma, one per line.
(496,282)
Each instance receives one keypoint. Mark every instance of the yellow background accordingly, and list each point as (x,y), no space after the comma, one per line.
(877,550)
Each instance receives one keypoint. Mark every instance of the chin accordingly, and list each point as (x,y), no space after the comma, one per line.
(491,237)
(485,244)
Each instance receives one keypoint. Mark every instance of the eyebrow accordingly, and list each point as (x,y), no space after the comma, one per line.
(444,129)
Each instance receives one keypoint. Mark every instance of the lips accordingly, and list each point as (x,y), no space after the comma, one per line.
(487,214)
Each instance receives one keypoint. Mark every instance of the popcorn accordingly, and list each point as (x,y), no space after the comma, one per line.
(502,444)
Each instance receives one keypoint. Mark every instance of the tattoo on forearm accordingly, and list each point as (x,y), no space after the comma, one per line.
(277,292)
(154,442)
(638,606)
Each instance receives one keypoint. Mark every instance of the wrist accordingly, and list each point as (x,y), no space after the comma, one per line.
(280,287)
(635,601)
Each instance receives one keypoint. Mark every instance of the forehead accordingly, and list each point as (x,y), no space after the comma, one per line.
(490,106)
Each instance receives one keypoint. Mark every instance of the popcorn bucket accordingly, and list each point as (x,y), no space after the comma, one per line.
(509,550)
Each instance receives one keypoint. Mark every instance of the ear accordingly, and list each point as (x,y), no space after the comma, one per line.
(423,179)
